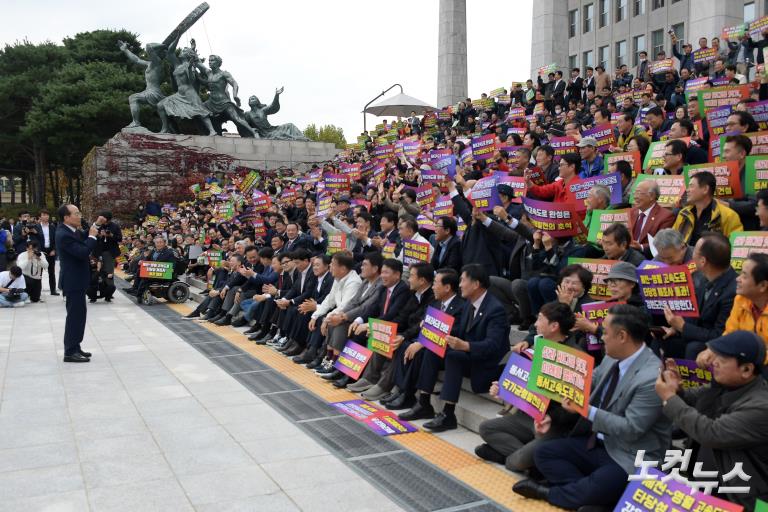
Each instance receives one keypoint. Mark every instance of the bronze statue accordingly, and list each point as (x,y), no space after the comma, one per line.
(257,118)
(153,75)
(185,103)
(219,103)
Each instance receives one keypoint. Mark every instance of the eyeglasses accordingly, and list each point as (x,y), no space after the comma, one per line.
(669,154)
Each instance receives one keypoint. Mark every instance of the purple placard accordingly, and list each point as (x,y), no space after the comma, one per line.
(411,149)
(483,147)
(437,154)
(668,287)
(603,134)
(693,376)
(466,157)
(433,176)
(357,409)
(484,195)
(389,424)
(759,111)
(513,391)
(443,207)
(580,188)
(557,219)
(434,329)
(446,164)
(596,312)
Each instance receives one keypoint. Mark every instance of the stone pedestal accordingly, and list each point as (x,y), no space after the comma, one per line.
(131,168)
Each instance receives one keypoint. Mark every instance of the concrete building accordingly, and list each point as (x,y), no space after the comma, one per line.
(452,52)
(580,33)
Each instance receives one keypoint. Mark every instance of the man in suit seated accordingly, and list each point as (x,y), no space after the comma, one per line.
(646,216)
(295,238)
(161,253)
(478,341)
(448,251)
(407,358)
(591,466)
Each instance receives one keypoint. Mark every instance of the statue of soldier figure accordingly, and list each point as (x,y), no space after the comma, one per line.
(153,76)
(257,117)
(219,103)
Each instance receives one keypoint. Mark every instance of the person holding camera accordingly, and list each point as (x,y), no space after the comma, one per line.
(32,264)
(24,231)
(108,244)
(12,286)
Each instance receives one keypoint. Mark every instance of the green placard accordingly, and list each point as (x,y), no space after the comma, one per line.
(381,336)
(744,243)
(156,270)
(601,219)
(755,174)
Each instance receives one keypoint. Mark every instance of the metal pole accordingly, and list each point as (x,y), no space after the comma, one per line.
(365,126)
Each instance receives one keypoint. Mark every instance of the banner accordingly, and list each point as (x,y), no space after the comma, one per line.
(425,222)
(703,55)
(672,188)
(759,142)
(600,270)
(443,207)
(719,96)
(484,195)
(694,84)
(756,28)
(435,327)
(744,243)
(324,205)
(650,490)
(559,371)
(654,158)
(445,164)
(336,242)
(668,286)
(603,134)
(513,391)
(557,219)
(596,312)
(563,145)
(336,182)
(466,157)
(381,336)
(735,32)
(156,270)
(483,147)
(261,201)
(549,68)
(213,258)
(352,360)
(601,219)
(759,111)
(692,375)
(425,196)
(661,66)
(579,188)
(518,186)
(726,175)
(415,252)
(633,157)
(259,229)
(249,181)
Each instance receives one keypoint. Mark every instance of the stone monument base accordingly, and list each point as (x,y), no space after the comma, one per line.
(132,168)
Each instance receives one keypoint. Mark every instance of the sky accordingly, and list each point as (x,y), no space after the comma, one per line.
(332,57)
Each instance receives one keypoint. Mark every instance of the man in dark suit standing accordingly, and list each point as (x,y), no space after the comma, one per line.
(478,341)
(75,277)
(47,238)
(558,90)
(575,85)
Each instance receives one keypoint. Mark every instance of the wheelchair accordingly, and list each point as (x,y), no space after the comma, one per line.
(175,291)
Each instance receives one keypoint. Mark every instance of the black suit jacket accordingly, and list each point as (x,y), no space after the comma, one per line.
(74,251)
(714,310)
(452,257)
(302,242)
(487,333)
(325,288)
(51,236)
(298,294)
(397,302)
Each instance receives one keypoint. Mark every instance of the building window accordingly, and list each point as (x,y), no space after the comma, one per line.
(749,12)
(621,9)
(638,7)
(572,62)
(589,12)
(679,31)
(657,4)
(638,44)
(605,15)
(586,60)
(602,56)
(573,21)
(657,43)
(621,53)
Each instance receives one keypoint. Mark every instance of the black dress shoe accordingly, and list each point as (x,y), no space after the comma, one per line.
(316,362)
(403,401)
(390,396)
(86,354)
(193,314)
(91,300)
(255,328)
(486,452)
(76,358)
(531,489)
(55,294)
(335,374)
(298,349)
(419,412)
(290,345)
(225,320)
(342,382)
(442,422)
(239,322)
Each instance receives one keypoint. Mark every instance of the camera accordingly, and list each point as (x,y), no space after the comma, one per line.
(38,253)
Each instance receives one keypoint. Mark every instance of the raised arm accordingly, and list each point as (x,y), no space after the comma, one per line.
(131,56)
(274,107)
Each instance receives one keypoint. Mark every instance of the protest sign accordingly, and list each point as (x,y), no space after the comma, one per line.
(633,157)
(336,182)
(425,222)
(517,184)
(484,194)
(672,188)
(324,205)
(704,55)
(388,424)
(726,175)
(156,270)
(415,252)
(756,28)
(516,113)
(735,32)
(600,269)
(261,201)
(744,243)
(425,196)
(719,96)
(435,327)
(717,119)
(352,360)
(759,111)
(596,312)
(354,171)
(433,177)
(601,219)
(661,66)
(559,371)
(654,158)
(358,409)
(694,84)
(388,251)
(483,147)
(670,286)
(361,202)
(466,157)
(443,207)
(759,142)
(411,149)
(336,242)
(563,145)
(557,219)
(603,134)
(579,188)
(692,375)
(384,151)
(445,164)
(381,336)
(650,490)
(249,181)
(549,68)
(513,391)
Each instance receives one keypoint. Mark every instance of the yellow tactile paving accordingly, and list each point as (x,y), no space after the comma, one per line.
(476,473)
